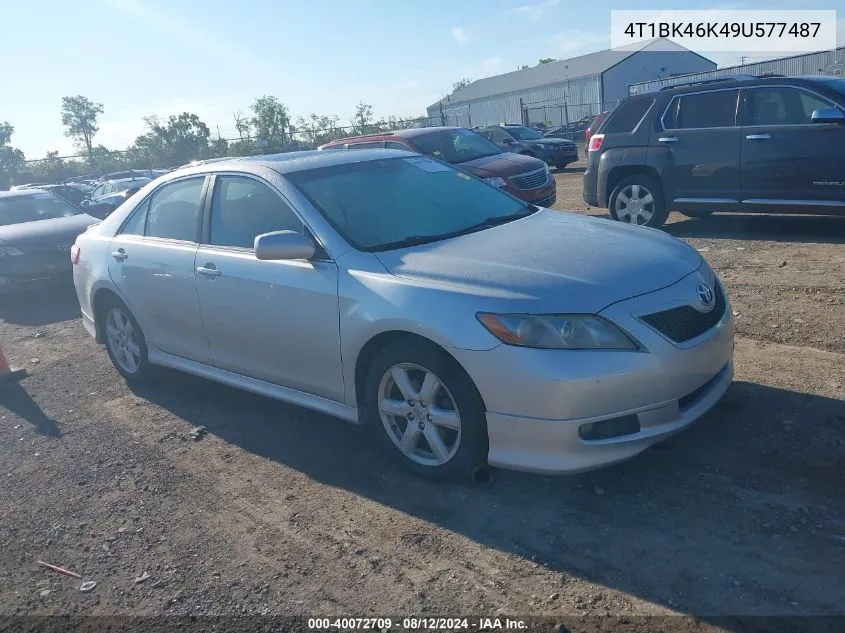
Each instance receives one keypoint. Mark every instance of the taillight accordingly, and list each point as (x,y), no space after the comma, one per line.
(74,254)
(595,142)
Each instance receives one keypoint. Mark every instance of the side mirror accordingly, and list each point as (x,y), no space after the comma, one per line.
(828,115)
(283,245)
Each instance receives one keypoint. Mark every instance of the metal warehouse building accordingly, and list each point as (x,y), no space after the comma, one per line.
(567,90)
(830,62)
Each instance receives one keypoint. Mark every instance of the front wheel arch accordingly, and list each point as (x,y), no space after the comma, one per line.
(377,343)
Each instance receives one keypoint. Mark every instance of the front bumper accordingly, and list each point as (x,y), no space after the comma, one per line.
(537,400)
(559,156)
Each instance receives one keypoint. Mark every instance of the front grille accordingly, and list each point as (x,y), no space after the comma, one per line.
(685,323)
(530,179)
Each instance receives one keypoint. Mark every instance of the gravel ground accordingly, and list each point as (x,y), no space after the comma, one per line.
(277,510)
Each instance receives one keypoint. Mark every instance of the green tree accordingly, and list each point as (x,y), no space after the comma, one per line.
(174,142)
(79,116)
(318,129)
(362,120)
(461,83)
(546,60)
(523,67)
(270,120)
(11,158)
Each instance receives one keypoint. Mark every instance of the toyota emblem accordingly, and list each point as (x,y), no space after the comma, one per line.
(705,296)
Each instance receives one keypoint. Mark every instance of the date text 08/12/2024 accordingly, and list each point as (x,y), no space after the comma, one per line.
(416,624)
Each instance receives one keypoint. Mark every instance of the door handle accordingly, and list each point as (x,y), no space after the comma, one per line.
(120,255)
(668,139)
(209,270)
(758,137)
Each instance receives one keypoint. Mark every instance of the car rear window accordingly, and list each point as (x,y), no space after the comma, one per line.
(31,208)
(627,116)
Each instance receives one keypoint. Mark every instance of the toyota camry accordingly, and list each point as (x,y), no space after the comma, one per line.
(462,325)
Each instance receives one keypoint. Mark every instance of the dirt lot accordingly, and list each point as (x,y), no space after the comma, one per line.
(278,510)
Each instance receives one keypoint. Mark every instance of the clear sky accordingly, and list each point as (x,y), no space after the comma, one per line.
(214,57)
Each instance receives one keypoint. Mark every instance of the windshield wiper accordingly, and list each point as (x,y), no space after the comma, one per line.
(416,240)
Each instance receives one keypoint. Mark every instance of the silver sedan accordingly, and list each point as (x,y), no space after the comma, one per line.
(464,326)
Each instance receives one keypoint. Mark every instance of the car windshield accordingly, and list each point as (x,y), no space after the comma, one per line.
(455,146)
(524,133)
(39,206)
(395,202)
(129,184)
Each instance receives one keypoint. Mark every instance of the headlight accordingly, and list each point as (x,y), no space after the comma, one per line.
(9,250)
(496,182)
(556,331)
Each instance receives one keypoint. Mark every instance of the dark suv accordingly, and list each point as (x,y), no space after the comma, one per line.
(523,140)
(737,144)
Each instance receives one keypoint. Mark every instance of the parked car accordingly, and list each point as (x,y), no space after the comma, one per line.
(110,195)
(594,125)
(574,130)
(524,140)
(525,177)
(129,173)
(73,192)
(738,144)
(540,127)
(37,230)
(462,325)
(32,185)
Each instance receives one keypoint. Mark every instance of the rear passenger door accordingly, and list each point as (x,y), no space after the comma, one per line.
(275,321)
(790,163)
(151,262)
(701,139)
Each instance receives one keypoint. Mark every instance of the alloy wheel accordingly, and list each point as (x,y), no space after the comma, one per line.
(123,340)
(419,414)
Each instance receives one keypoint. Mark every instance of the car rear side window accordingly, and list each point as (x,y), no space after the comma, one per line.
(368,145)
(395,145)
(702,110)
(627,116)
(782,105)
(244,208)
(174,211)
(135,224)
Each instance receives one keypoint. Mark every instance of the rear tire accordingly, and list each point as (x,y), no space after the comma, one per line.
(426,412)
(125,342)
(638,200)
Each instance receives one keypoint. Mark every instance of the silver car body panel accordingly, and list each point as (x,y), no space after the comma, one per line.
(294,330)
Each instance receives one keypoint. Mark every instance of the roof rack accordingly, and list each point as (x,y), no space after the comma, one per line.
(710,81)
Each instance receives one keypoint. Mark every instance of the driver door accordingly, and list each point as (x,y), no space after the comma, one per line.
(276,321)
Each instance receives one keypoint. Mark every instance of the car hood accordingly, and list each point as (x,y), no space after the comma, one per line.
(549,262)
(551,141)
(53,232)
(504,164)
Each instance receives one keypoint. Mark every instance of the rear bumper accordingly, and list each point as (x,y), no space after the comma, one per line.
(590,188)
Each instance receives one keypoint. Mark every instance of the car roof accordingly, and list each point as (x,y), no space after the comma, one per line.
(407,133)
(736,81)
(22,192)
(290,162)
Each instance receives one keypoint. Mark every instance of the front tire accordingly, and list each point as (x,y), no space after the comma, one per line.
(426,411)
(639,200)
(125,342)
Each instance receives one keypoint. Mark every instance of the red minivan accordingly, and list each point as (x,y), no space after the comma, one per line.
(526,177)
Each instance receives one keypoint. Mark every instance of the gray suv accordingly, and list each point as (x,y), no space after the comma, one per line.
(738,144)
